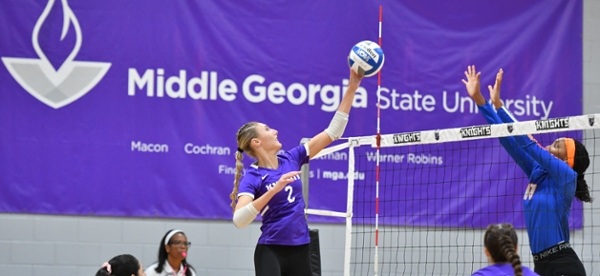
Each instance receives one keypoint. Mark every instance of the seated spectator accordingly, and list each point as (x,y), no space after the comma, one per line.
(172,253)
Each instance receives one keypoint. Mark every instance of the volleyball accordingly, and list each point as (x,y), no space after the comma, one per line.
(366,58)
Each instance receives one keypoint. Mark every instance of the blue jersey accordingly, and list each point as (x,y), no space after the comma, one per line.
(283,221)
(551,190)
(502,270)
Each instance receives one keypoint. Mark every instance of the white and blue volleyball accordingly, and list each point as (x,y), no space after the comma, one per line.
(366,58)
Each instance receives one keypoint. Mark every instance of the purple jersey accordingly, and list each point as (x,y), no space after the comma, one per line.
(283,217)
(502,270)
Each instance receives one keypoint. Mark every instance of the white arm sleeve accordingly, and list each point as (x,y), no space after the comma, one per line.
(337,126)
(307,149)
(244,216)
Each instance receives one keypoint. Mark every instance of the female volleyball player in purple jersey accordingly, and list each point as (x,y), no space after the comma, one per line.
(556,177)
(272,187)
(501,248)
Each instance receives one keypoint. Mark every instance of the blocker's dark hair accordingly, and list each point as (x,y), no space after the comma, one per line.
(582,162)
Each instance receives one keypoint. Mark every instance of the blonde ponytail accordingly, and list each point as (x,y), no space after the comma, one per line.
(244,136)
(239,166)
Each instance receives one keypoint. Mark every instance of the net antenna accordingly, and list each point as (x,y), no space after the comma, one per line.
(377,152)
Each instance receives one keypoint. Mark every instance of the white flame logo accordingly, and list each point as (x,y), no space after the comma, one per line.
(71,81)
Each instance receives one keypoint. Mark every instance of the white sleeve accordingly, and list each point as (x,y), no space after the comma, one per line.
(337,126)
(150,271)
(244,216)
(307,149)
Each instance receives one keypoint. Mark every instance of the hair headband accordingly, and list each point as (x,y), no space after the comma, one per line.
(170,235)
(570,145)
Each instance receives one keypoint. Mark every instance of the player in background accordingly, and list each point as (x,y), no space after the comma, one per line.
(501,248)
(122,265)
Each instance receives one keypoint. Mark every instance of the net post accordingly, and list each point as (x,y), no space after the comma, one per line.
(304,176)
(349,205)
(314,247)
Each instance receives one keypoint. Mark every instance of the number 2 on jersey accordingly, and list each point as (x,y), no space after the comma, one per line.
(290,190)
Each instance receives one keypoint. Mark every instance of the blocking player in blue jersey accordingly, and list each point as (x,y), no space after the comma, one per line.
(501,248)
(272,187)
(556,177)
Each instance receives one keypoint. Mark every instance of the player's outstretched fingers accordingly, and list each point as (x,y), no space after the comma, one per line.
(288,178)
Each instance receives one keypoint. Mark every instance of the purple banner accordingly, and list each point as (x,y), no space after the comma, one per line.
(130,108)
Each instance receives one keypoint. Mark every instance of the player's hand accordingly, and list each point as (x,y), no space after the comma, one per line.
(355,79)
(286,179)
(495,90)
(473,85)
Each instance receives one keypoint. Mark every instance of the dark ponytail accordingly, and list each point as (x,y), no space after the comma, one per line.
(103,272)
(582,162)
(121,265)
(510,253)
(501,242)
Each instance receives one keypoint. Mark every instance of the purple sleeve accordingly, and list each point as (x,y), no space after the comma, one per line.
(529,272)
(298,154)
(479,273)
(249,185)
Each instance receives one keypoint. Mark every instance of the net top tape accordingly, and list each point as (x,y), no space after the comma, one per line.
(581,122)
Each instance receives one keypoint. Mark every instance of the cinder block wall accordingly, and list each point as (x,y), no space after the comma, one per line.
(65,245)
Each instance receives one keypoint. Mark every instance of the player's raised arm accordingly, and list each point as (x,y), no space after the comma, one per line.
(340,119)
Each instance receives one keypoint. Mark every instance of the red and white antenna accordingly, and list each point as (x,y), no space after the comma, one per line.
(376,257)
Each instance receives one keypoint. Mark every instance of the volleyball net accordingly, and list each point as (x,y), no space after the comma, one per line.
(423,199)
